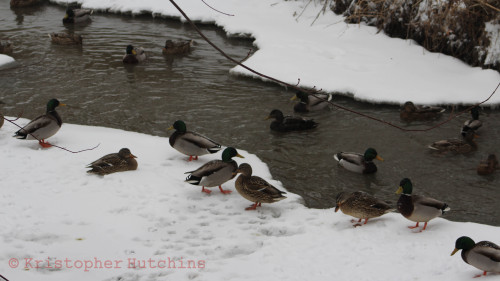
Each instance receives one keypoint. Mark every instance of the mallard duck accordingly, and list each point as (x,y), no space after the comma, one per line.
(256,189)
(418,208)
(65,38)
(134,55)
(484,255)
(410,112)
(44,126)
(489,166)
(1,120)
(461,146)
(311,102)
(191,143)
(215,172)
(361,205)
(474,123)
(77,15)
(289,123)
(23,3)
(122,161)
(177,48)
(5,47)
(355,162)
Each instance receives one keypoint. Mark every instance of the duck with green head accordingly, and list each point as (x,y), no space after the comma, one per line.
(122,161)
(484,255)
(418,208)
(191,143)
(289,123)
(44,126)
(77,15)
(361,205)
(310,102)
(474,123)
(215,172)
(359,163)
(134,55)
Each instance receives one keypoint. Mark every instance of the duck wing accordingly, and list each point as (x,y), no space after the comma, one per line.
(488,249)
(208,168)
(430,202)
(200,140)
(258,184)
(351,157)
(82,12)
(109,160)
(34,125)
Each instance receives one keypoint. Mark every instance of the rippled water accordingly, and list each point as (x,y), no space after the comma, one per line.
(197,88)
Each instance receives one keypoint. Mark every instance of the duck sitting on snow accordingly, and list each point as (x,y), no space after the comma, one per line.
(489,166)
(177,48)
(410,112)
(122,161)
(44,126)
(311,102)
(361,205)
(461,146)
(289,123)
(77,15)
(484,255)
(134,55)
(65,38)
(358,163)
(191,143)
(256,189)
(474,123)
(418,208)
(215,172)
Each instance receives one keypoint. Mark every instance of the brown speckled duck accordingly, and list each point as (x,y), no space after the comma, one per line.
(177,48)
(488,166)
(460,146)
(62,38)
(122,161)
(484,255)
(410,112)
(361,205)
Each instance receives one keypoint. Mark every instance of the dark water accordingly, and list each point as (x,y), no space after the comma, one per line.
(197,88)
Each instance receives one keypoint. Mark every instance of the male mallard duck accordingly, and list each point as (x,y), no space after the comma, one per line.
(191,143)
(486,167)
(464,145)
(65,38)
(361,205)
(134,55)
(77,15)
(44,126)
(474,123)
(177,48)
(23,3)
(410,112)
(418,208)
(311,102)
(256,189)
(5,47)
(114,162)
(358,163)
(215,172)
(484,255)
(289,123)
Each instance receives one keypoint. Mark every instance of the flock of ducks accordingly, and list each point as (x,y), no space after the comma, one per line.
(483,255)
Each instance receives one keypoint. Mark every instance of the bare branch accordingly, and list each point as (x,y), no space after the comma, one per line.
(216,9)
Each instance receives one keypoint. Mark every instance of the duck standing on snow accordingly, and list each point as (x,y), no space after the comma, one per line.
(114,162)
(191,143)
(311,102)
(418,208)
(44,126)
(355,162)
(486,167)
(460,146)
(215,172)
(177,48)
(410,112)
(361,205)
(256,189)
(474,123)
(289,123)
(134,55)
(77,15)
(484,255)
(65,38)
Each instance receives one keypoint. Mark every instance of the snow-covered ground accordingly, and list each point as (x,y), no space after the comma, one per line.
(89,227)
(4,59)
(329,54)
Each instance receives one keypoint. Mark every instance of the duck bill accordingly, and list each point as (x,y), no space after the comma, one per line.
(379,158)
(132,156)
(170,128)
(134,52)
(62,104)
(66,16)
(337,208)
(238,155)
(400,190)
(294,97)
(454,251)
(267,118)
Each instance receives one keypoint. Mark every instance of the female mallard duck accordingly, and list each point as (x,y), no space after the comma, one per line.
(358,163)
(474,123)
(134,55)
(410,112)
(418,208)
(191,143)
(484,255)
(23,3)
(256,189)
(44,126)
(5,47)
(464,145)
(65,38)
(289,123)
(486,167)
(215,172)
(177,48)
(114,162)
(311,102)
(361,205)
(77,15)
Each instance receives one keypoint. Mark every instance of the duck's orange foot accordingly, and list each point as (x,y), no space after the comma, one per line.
(252,207)
(412,227)
(479,275)
(191,158)
(224,191)
(44,144)
(206,190)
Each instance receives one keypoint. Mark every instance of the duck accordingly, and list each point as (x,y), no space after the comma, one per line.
(484,255)
(122,161)
(474,123)
(66,38)
(23,3)
(191,143)
(134,55)
(177,48)
(1,119)
(459,146)
(5,47)
(311,102)
(410,112)
(418,208)
(256,189)
(215,172)
(489,166)
(361,205)
(77,15)
(44,126)
(289,123)
(359,163)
